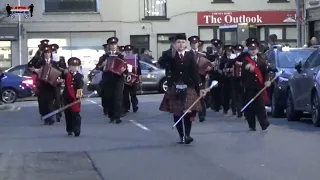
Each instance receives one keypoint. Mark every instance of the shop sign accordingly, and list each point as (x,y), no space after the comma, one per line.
(251,17)
(9,33)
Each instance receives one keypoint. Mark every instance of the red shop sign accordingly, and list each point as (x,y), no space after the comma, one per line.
(252,17)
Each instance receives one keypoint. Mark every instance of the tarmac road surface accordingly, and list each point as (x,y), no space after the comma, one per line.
(144,147)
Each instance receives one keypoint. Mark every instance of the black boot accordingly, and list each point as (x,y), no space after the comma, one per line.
(118,121)
(135,109)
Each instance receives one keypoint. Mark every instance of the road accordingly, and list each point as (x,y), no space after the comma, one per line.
(144,147)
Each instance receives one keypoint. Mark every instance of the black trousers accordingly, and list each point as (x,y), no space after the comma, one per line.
(114,95)
(203,113)
(46,99)
(187,123)
(130,94)
(227,93)
(216,92)
(58,100)
(255,109)
(73,121)
(103,86)
(237,97)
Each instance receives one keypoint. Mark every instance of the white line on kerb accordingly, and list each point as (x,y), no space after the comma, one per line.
(140,125)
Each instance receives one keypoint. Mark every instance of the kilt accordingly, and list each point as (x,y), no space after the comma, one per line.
(176,106)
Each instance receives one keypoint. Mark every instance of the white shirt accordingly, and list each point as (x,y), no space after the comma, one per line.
(254,58)
(195,50)
(183,52)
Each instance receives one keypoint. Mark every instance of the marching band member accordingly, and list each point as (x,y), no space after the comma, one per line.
(122,50)
(61,63)
(166,58)
(227,77)
(254,78)
(216,74)
(47,92)
(113,83)
(201,44)
(71,93)
(237,87)
(103,80)
(185,88)
(194,44)
(130,92)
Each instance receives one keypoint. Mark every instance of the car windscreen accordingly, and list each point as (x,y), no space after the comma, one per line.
(288,59)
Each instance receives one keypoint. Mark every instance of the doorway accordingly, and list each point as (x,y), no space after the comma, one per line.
(228,36)
(140,43)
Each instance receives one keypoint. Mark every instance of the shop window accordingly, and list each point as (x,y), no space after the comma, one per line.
(276,31)
(262,34)
(291,33)
(155,9)
(5,54)
(206,34)
(70,5)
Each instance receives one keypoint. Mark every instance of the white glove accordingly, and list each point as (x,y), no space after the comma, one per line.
(251,68)
(104,63)
(247,67)
(203,92)
(267,83)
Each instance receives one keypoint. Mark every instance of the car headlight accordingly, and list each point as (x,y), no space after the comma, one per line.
(282,79)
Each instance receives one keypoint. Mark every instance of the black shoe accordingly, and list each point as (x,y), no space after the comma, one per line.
(46,123)
(239,116)
(252,129)
(201,119)
(217,110)
(76,133)
(135,109)
(58,119)
(111,120)
(188,140)
(265,126)
(181,141)
(51,122)
(69,133)
(118,121)
(234,113)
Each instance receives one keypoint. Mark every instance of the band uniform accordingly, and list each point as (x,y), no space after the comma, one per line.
(113,83)
(185,88)
(254,77)
(102,84)
(130,92)
(71,93)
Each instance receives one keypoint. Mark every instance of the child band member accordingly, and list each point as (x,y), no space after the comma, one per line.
(73,92)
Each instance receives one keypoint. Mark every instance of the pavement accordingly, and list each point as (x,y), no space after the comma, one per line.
(144,147)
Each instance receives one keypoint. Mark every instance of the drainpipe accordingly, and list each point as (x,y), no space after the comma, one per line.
(298,23)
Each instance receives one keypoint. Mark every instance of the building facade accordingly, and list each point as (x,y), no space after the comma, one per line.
(81,27)
(312,18)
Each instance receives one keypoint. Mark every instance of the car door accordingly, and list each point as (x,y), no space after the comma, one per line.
(301,82)
(147,74)
(309,77)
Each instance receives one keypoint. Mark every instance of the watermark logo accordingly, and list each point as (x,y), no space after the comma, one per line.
(13,11)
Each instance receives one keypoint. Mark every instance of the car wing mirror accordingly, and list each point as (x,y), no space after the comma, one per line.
(298,66)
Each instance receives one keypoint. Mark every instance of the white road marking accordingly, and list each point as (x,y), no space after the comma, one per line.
(140,125)
(93,102)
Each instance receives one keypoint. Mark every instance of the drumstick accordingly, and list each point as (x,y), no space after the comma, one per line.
(213,84)
(264,88)
(65,107)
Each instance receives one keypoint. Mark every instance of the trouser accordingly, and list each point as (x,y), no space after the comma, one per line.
(73,121)
(215,93)
(237,98)
(130,93)
(103,85)
(114,96)
(255,109)
(187,124)
(227,93)
(46,98)
(203,112)
(57,101)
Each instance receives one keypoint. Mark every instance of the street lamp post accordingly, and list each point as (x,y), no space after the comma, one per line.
(298,23)
(20,35)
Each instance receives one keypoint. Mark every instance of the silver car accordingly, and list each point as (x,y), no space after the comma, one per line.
(153,79)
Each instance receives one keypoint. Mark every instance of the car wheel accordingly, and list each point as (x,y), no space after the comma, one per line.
(292,114)
(315,110)
(276,111)
(8,96)
(163,86)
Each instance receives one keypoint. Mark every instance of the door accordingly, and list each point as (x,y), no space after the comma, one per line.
(140,43)
(228,36)
(299,84)
(148,77)
(309,76)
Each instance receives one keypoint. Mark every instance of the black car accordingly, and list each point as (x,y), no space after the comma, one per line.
(282,60)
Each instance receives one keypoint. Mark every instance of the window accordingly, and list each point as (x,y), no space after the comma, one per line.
(310,59)
(291,33)
(5,54)
(70,5)
(222,1)
(276,31)
(277,1)
(144,66)
(18,70)
(206,34)
(155,9)
(315,62)
(262,34)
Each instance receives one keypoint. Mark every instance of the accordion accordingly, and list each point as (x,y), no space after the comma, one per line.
(115,65)
(203,64)
(50,74)
(132,66)
(237,70)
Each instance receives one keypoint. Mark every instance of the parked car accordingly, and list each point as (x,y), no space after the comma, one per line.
(15,86)
(153,79)
(304,88)
(283,59)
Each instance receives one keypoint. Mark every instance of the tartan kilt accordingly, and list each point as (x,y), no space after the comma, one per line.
(177,107)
